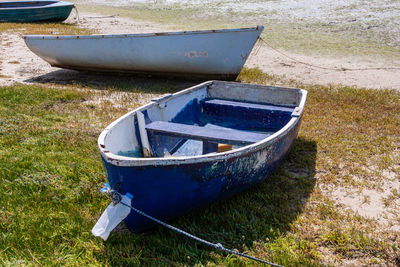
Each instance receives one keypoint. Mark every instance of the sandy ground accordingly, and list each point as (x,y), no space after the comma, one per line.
(317,70)
(377,204)
(19,64)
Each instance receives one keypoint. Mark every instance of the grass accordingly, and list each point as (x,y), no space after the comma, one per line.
(43,28)
(51,172)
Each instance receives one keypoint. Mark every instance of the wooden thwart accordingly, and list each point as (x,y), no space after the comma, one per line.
(221,103)
(225,136)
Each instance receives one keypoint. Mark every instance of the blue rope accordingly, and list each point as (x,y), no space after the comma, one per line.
(112,193)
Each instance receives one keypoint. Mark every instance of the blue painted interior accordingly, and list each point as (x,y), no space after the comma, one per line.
(215,135)
(130,153)
(244,116)
(167,189)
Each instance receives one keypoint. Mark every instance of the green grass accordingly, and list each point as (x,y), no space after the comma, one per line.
(51,171)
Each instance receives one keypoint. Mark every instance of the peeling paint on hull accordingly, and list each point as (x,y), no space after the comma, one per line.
(209,53)
(169,187)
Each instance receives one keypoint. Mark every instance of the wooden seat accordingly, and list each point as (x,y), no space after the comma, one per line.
(210,136)
(246,115)
(222,105)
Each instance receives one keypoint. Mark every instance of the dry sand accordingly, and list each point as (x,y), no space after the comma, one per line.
(377,204)
(370,73)
(19,64)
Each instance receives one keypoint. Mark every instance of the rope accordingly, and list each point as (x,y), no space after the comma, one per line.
(256,49)
(320,67)
(103,17)
(76,14)
(116,198)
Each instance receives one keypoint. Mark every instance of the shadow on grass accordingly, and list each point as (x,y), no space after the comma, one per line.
(258,216)
(139,83)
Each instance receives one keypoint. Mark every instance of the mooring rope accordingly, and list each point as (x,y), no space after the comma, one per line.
(320,67)
(116,198)
(254,51)
(76,14)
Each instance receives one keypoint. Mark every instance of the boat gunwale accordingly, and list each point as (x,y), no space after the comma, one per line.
(55,4)
(124,161)
(134,35)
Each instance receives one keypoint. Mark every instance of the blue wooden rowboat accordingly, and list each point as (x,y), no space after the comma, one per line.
(30,11)
(182,132)
(207,53)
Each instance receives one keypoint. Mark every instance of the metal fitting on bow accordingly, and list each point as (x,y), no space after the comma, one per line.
(114,195)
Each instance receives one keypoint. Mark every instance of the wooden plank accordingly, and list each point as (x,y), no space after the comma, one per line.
(225,136)
(147,152)
(242,115)
(255,93)
(249,106)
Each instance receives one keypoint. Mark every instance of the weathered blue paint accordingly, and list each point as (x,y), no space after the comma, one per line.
(194,132)
(243,115)
(31,11)
(169,186)
(209,53)
(131,153)
(188,115)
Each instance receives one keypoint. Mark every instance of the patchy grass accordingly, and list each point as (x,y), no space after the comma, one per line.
(319,36)
(357,140)
(118,82)
(51,172)
(43,28)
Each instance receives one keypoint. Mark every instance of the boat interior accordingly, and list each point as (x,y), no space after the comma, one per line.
(211,119)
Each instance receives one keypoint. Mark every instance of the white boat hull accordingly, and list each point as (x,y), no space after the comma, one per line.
(212,53)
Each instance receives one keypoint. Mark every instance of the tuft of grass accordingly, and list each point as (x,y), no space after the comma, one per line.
(43,28)
(51,172)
